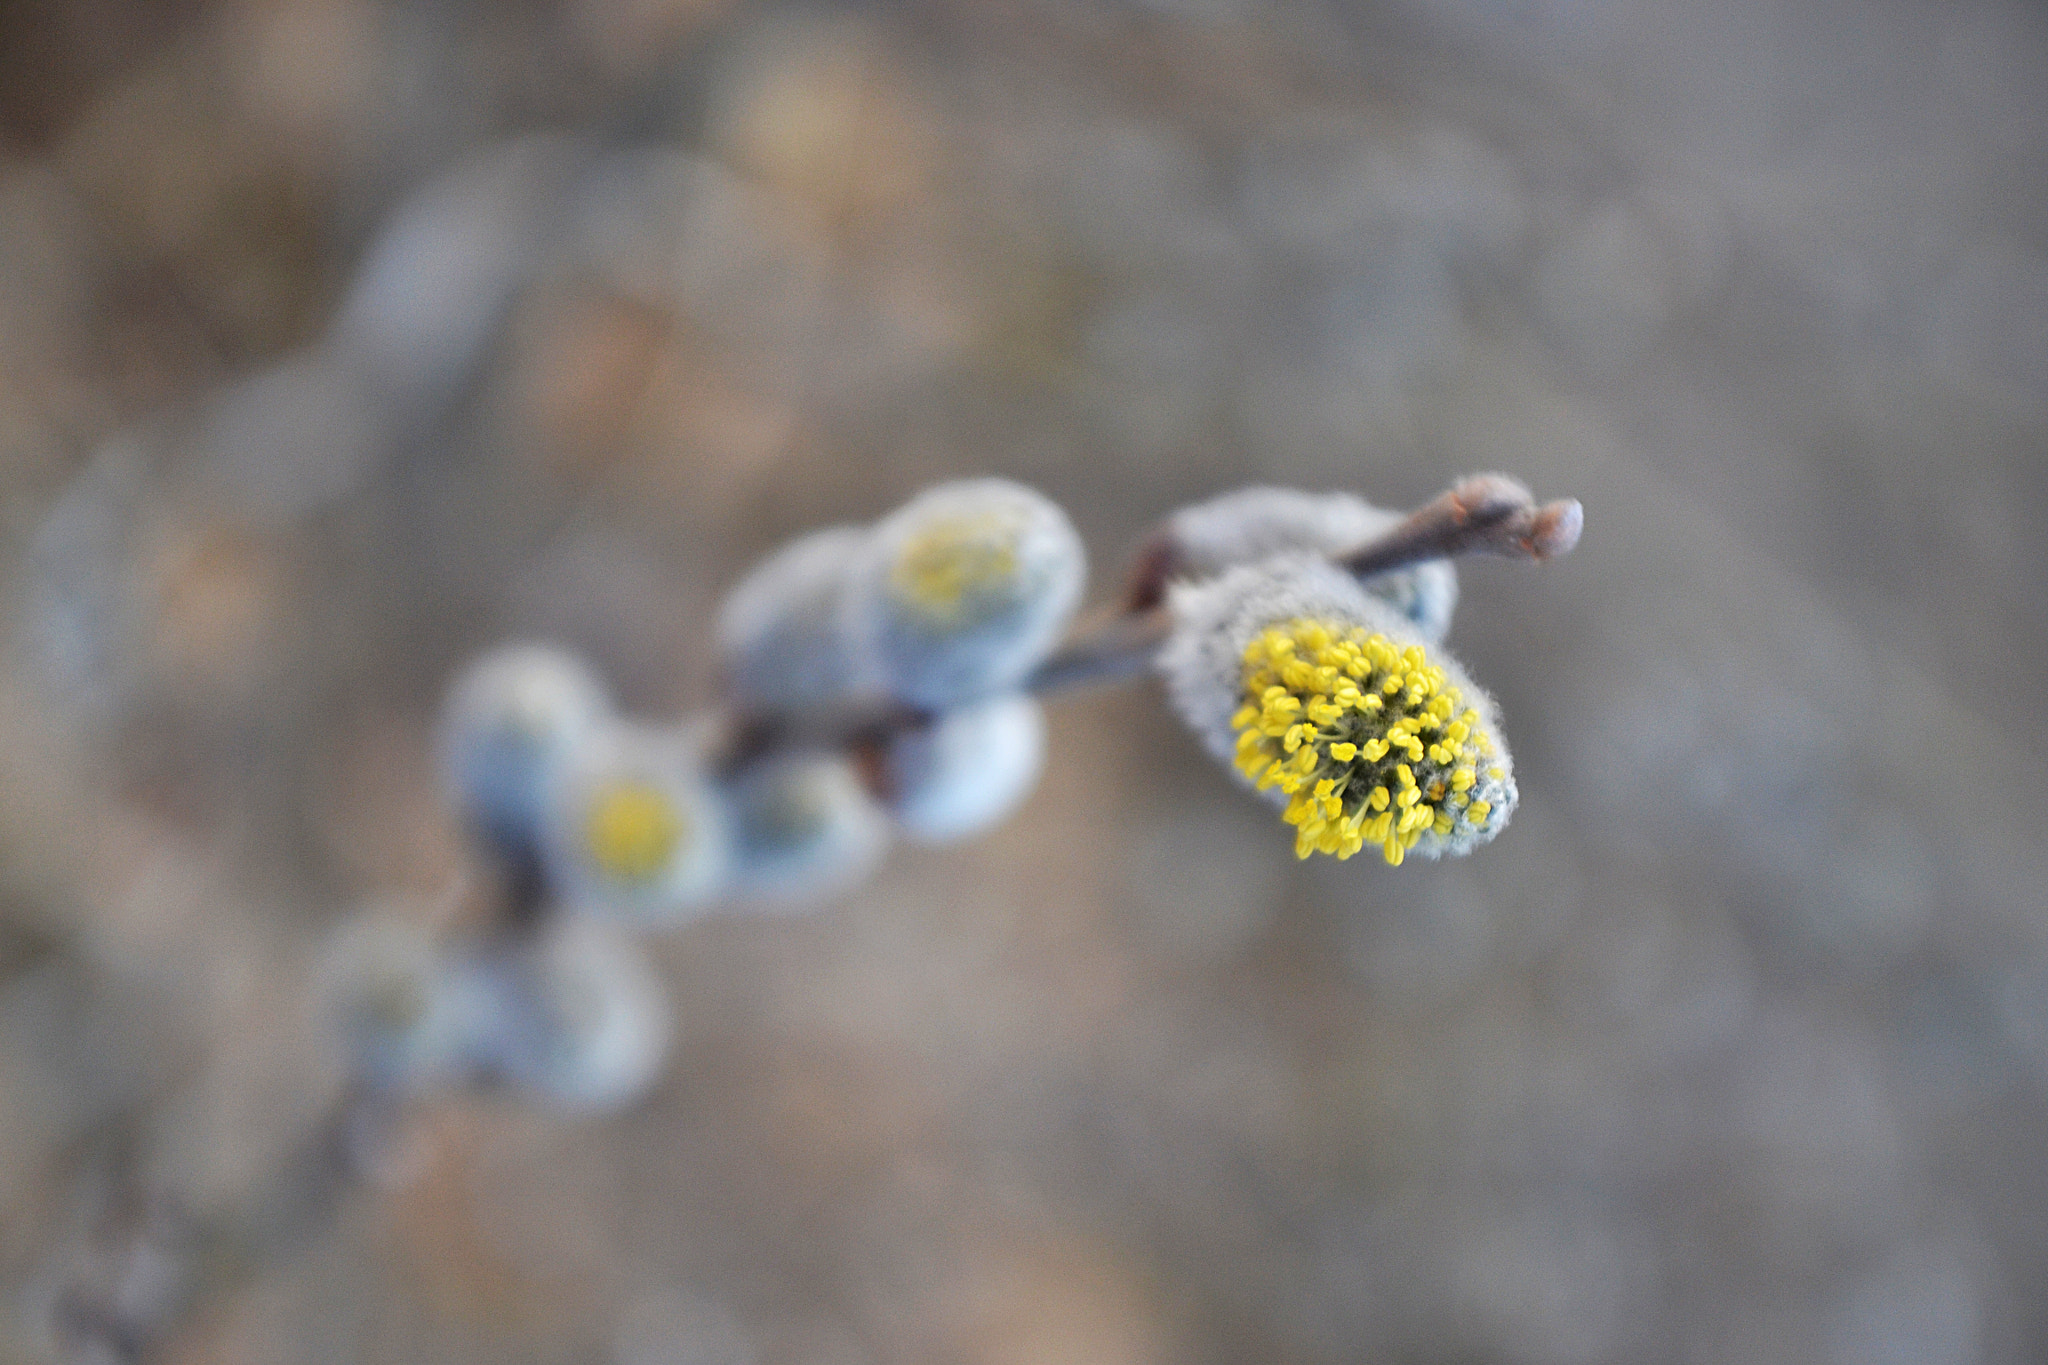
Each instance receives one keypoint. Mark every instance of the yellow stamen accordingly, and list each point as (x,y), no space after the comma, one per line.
(1370,740)
(632,830)
(954,560)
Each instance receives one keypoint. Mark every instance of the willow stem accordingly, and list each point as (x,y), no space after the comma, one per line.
(1482,514)
(1118,647)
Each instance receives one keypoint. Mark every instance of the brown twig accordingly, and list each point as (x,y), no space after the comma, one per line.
(1482,514)
(155,1261)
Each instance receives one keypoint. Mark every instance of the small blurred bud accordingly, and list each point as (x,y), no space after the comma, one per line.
(967,770)
(804,827)
(782,633)
(1316,691)
(582,1017)
(634,830)
(404,1022)
(965,588)
(447,264)
(512,718)
(1253,524)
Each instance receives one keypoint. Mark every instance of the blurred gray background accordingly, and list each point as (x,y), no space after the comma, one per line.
(340,338)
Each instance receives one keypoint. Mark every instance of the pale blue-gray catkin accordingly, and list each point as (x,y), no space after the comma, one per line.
(437,278)
(1253,524)
(583,1020)
(1205,665)
(783,635)
(511,719)
(405,1025)
(804,828)
(634,828)
(966,588)
(966,771)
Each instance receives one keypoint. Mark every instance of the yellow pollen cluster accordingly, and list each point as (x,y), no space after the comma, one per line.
(632,830)
(1368,738)
(953,559)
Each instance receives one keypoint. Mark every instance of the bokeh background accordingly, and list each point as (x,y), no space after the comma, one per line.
(341,338)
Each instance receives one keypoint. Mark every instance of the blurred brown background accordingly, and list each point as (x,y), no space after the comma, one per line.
(339,338)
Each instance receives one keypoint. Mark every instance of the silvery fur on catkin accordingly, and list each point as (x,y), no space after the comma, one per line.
(1202,662)
(782,630)
(1254,524)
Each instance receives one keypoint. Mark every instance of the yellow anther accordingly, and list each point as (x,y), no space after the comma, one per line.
(632,830)
(954,559)
(1327,705)
(1478,811)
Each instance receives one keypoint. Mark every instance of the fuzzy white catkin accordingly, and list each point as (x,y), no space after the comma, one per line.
(634,829)
(1214,622)
(583,1018)
(511,719)
(968,770)
(804,828)
(1253,524)
(782,634)
(395,1006)
(964,589)
(448,263)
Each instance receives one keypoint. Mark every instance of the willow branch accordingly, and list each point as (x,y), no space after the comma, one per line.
(158,1262)
(1484,514)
